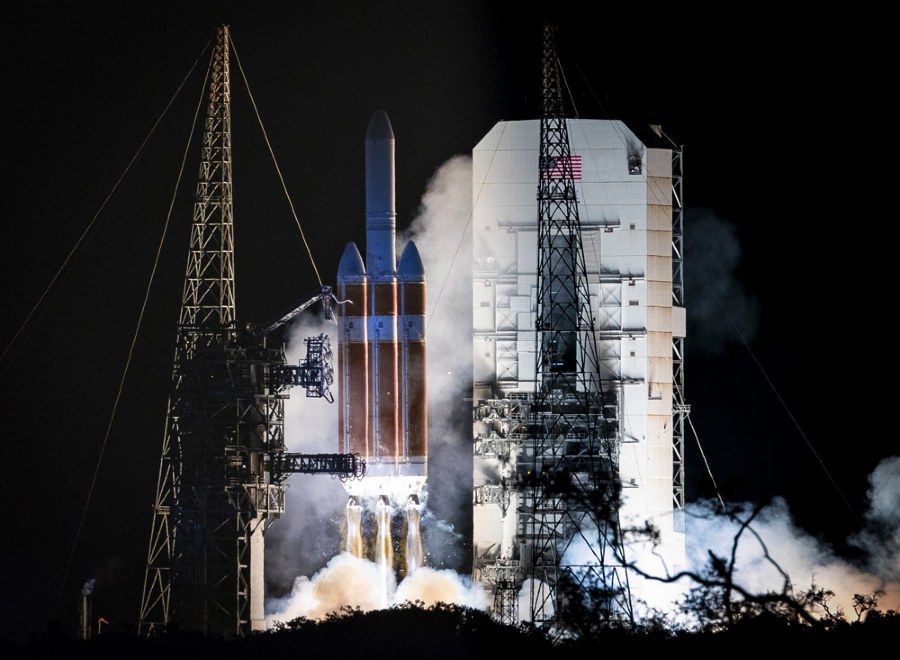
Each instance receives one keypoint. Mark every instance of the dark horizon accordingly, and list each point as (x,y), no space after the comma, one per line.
(84,83)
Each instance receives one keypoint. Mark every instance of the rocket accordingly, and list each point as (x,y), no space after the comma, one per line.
(382,385)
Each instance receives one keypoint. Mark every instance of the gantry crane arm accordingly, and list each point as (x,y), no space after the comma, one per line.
(323,294)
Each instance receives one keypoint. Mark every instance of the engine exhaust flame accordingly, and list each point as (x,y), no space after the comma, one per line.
(353,542)
(384,548)
(414,553)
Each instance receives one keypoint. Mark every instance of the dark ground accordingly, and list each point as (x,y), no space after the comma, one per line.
(455,633)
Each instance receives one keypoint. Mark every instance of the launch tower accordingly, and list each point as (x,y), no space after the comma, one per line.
(223,463)
(578,343)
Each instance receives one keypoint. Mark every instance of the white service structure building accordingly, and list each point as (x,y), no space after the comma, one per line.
(629,196)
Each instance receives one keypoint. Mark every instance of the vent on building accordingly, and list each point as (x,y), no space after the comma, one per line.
(634,165)
(633,303)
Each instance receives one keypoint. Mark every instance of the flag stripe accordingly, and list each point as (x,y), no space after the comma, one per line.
(557,167)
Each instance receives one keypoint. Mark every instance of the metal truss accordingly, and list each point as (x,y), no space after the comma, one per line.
(506,580)
(223,416)
(501,426)
(680,408)
(315,374)
(494,446)
(568,464)
(492,494)
(345,466)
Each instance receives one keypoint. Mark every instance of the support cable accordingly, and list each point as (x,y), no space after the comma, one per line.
(94,219)
(753,356)
(275,162)
(706,463)
(462,236)
(749,349)
(778,396)
(134,339)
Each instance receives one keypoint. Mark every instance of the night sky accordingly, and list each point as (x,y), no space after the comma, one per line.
(772,146)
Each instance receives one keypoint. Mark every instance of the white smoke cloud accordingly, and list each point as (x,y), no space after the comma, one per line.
(308,533)
(349,581)
(442,232)
(805,558)
(882,531)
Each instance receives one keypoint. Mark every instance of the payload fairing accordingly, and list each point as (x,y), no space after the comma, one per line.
(382,382)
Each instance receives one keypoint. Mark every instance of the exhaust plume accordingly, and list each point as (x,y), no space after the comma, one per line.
(806,559)
(358,583)
(441,226)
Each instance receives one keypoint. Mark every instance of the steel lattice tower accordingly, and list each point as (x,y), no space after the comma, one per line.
(213,496)
(570,494)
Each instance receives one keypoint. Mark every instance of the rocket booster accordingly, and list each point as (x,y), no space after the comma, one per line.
(382,385)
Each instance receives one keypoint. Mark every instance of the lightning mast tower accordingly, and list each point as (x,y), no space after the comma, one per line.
(214,496)
(571,486)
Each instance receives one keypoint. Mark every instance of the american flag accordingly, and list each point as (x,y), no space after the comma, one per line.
(556,167)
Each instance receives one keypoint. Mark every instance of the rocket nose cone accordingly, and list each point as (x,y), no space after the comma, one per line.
(380,127)
(410,266)
(351,263)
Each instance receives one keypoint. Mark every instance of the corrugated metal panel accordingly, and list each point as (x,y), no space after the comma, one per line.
(659,294)
(659,243)
(659,462)
(660,372)
(659,344)
(659,432)
(660,319)
(659,162)
(661,404)
(659,217)
(659,268)
(659,190)
(658,494)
